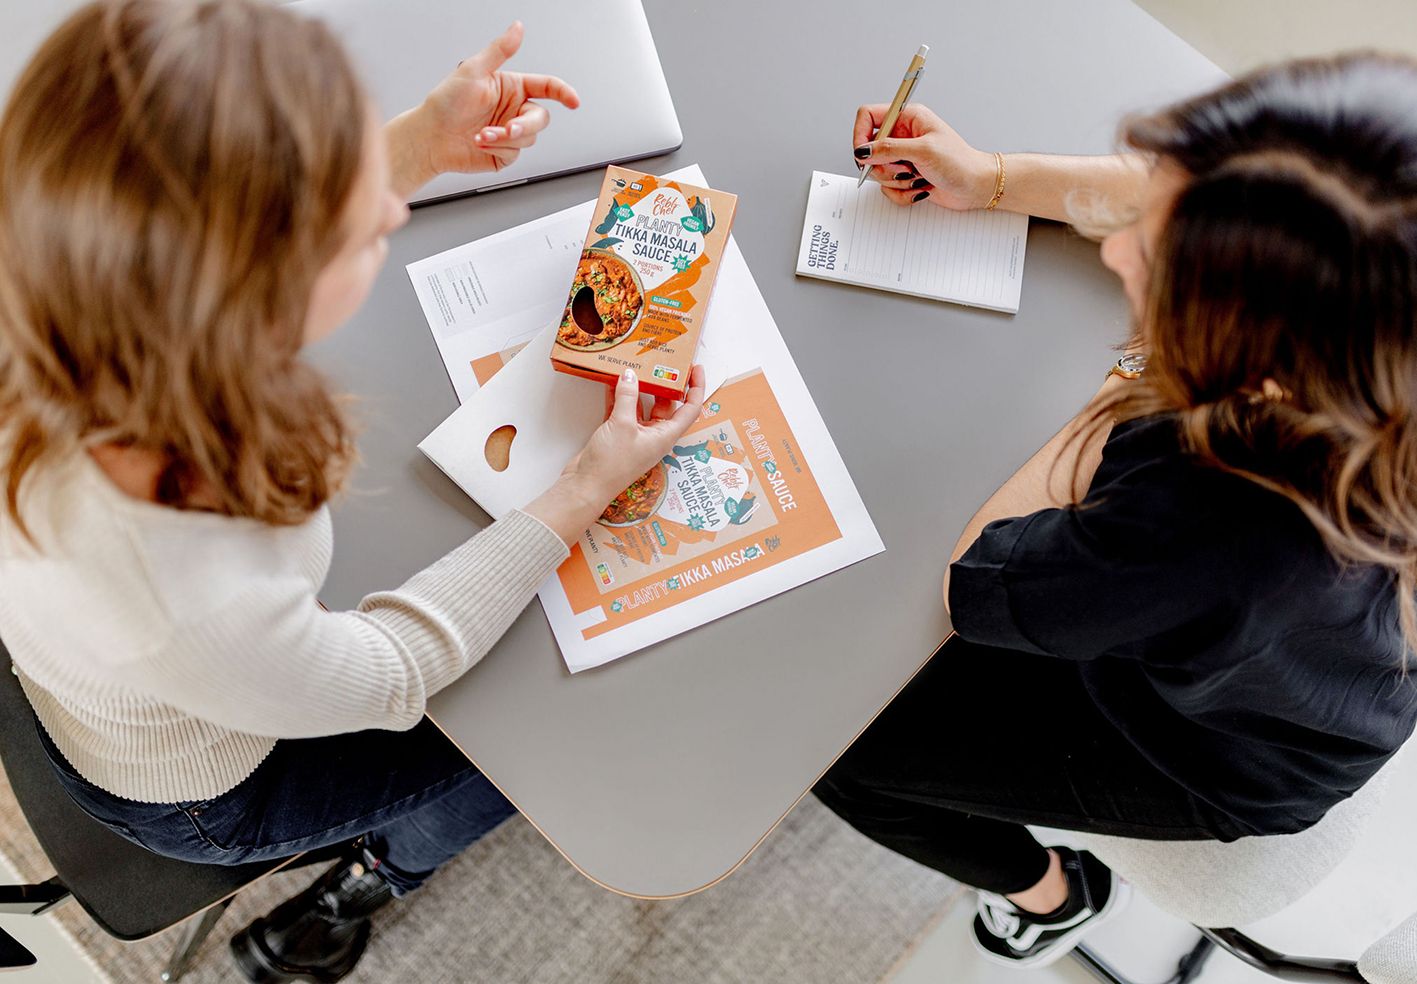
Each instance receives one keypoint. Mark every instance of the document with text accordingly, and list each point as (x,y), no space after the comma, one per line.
(858,236)
(484,300)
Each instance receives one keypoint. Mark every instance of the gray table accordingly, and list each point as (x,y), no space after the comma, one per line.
(658,774)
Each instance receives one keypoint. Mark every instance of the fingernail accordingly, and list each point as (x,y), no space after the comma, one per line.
(863,151)
(921,197)
(903,163)
(917,183)
(515,130)
(903,175)
(628,375)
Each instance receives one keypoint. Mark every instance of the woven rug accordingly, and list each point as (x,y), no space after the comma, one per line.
(817,904)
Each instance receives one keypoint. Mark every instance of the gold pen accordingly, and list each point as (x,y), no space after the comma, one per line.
(902,96)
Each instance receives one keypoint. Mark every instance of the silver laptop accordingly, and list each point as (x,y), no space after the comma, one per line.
(602,48)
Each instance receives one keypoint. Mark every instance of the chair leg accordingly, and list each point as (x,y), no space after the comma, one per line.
(1282,965)
(191,940)
(14,954)
(1187,970)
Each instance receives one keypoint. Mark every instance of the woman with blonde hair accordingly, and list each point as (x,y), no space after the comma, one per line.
(190,192)
(1190,615)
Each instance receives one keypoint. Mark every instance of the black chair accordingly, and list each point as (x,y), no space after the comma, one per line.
(130,892)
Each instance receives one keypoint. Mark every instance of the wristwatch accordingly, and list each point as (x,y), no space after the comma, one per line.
(1129,366)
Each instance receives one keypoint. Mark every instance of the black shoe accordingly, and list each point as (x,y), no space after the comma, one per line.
(320,934)
(1006,934)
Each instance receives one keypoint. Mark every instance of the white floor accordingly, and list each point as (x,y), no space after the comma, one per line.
(59,961)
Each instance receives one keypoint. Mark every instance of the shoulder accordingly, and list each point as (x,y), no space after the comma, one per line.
(138,571)
(199,563)
(1155,493)
(1157,523)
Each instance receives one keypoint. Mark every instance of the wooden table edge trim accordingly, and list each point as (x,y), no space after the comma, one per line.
(739,863)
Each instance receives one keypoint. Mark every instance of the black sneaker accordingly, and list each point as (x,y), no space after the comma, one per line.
(1006,934)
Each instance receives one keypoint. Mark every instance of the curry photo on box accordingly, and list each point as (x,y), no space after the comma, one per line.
(605,304)
(735,496)
(701,496)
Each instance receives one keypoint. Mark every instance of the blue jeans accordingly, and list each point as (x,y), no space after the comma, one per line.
(416,799)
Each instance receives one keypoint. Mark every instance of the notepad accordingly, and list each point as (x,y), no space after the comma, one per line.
(858,236)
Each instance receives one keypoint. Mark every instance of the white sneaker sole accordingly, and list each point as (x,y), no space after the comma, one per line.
(1121,895)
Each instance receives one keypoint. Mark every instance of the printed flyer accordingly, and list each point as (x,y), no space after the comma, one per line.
(734,498)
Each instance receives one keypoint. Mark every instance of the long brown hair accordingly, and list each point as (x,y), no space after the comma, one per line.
(1290,254)
(172,180)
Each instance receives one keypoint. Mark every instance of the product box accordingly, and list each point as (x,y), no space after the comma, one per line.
(642,286)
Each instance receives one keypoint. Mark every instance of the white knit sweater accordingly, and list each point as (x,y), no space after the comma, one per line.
(165,651)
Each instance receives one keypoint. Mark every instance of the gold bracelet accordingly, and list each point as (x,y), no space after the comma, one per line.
(998,183)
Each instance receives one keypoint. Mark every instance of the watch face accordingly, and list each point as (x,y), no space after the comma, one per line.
(1134,362)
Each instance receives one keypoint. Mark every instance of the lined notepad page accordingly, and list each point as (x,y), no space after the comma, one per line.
(858,236)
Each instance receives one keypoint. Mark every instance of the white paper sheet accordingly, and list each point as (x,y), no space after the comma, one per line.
(498,292)
(554,415)
(858,236)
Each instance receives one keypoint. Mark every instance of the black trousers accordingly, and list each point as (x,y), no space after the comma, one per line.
(985,740)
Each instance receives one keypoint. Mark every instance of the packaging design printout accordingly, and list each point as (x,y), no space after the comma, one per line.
(754,500)
(734,498)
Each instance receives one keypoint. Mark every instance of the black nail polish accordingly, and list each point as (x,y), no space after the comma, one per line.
(903,163)
(905,175)
(921,197)
(919,182)
(863,151)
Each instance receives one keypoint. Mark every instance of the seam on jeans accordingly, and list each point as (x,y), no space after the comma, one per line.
(285,844)
(202,834)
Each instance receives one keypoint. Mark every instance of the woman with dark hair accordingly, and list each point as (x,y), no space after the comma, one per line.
(1190,615)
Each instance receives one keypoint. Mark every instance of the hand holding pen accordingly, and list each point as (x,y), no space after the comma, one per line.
(913,71)
(923,159)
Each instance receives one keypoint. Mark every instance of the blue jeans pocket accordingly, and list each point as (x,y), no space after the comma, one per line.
(163,828)
(194,812)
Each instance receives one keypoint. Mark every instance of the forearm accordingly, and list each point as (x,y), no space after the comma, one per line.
(410,157)
(271,662)
(1068,188)
(569,507)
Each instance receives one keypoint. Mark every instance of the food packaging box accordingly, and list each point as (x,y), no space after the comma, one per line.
(642,286)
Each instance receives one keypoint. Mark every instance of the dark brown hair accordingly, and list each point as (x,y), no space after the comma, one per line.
(1290,254)
(172,180)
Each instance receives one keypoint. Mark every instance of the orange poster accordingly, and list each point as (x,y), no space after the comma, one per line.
(734,498)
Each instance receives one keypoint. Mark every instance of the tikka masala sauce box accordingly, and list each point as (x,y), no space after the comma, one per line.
(642,286)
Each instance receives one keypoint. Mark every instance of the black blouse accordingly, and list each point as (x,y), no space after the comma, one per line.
(1210,625)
